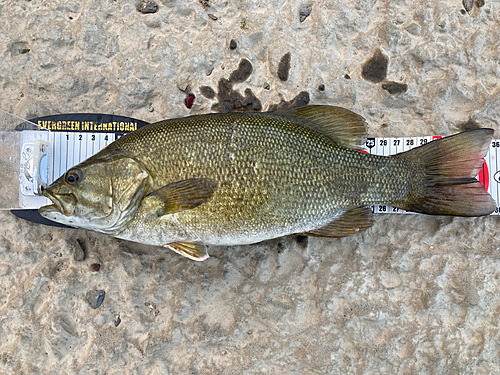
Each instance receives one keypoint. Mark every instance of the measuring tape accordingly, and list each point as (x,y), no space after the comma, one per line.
(69,148)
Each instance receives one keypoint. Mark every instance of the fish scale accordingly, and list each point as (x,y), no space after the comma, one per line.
(300,177)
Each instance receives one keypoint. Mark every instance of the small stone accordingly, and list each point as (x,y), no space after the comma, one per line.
(95,267)
(468,4)
(147,7)
(347,76)
(321,87)
(232,44)
(97,298)
(304,13)
(212,16)
(266,86)
(117,320)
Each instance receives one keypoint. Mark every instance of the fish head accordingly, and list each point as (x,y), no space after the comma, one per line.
(101,194)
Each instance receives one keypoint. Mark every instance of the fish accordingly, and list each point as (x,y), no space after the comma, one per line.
(242,178)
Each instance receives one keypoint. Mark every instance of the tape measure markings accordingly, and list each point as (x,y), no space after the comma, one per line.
(71,148)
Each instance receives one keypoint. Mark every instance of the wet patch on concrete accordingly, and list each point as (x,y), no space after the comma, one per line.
(375,69)
(300,100)
(284,67)
(395,87)
(231,100)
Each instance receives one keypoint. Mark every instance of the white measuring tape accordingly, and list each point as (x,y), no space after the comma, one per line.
(67,149)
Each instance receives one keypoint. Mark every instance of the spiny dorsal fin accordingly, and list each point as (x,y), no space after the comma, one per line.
(347,128)
(183,195)
(349,223)
(191,250)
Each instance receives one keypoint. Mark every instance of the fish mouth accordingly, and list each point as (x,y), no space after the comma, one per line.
(57,203)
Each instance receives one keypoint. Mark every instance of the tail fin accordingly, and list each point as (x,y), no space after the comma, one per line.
(444,176)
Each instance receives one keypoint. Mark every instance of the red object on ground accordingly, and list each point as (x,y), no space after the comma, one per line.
(189,101)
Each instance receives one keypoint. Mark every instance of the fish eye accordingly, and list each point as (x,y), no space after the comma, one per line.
(72,177)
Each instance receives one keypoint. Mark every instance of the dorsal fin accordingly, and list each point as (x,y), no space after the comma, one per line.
(347,128)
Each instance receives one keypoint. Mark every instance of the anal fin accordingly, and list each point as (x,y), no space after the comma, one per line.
(190,250)
(349,223)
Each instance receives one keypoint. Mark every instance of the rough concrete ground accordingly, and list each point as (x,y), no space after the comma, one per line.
(414,294)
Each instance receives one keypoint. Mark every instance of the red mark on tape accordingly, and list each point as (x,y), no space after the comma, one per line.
(484,176)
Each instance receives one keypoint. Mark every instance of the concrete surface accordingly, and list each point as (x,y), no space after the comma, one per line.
(414,294)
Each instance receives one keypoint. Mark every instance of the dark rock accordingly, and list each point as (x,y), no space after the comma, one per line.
(232,44)
(304,13)
(97,298)
(321,87)
(147,7)
(95,267)
(468,4)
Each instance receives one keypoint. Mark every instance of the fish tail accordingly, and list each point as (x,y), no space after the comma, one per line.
(443,176)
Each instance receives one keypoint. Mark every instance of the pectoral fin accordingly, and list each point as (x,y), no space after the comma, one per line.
(349,223)
(183,195)
(194,251)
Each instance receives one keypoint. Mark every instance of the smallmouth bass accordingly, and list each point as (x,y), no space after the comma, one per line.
(241,178)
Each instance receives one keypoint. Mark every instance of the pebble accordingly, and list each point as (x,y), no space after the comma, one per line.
(468,4)
(97,298)
(95,267)
(304,13)
(147,7)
